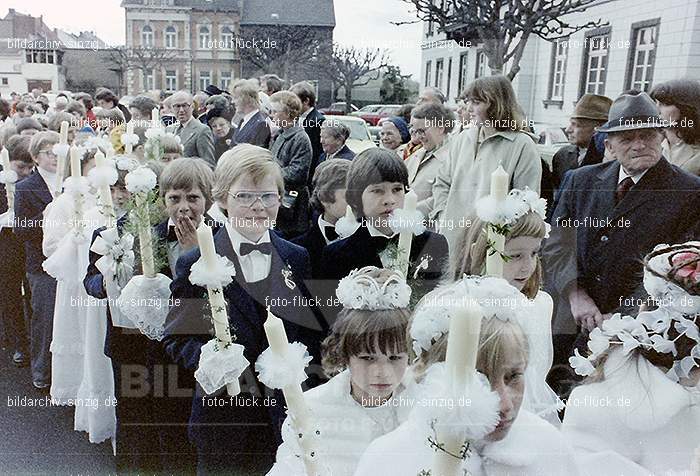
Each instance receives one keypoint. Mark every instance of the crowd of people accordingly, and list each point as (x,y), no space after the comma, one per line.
(586,355)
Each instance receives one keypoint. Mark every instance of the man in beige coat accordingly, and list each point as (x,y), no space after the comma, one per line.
(431,123)
(466,176)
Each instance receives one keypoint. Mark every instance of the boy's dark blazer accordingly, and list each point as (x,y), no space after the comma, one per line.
(189,327)
(313,242)
(32,195)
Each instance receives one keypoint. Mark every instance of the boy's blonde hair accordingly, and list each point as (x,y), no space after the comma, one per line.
(170,144)
(472,247)
(187,173)
(244,159)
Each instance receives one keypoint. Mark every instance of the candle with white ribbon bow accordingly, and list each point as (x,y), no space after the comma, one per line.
(205,240)
(460,363)
(155,118)
(293,396)
(9,187)
(500,181)
(104,192)
(406,237)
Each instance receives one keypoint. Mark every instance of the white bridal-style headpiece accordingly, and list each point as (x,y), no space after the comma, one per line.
(359,290)
(672,279)
(504,213)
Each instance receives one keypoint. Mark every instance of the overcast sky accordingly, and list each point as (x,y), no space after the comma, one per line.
(358,23)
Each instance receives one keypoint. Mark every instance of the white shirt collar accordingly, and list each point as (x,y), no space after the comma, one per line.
(237,238)
(305,114)
(49,178)
(248,117)
(374,232)
(623,175)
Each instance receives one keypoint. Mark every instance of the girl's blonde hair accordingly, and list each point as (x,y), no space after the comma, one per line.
(472,247)
(359,331)
(498,340)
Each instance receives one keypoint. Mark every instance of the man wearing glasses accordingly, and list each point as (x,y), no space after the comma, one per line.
(196,138)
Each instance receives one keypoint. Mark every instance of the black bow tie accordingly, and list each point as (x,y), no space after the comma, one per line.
(172,236)
(331,234)
(264,248)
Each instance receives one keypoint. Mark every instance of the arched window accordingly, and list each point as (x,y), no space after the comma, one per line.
(170,37)
(147,36)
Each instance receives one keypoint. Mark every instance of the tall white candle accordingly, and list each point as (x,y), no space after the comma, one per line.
(155,117)
(500,183)
(104,192)
(145,240)
(64,132)
(9,187)
(293,396)
(460,363)
(75,162)
(406,237)
(205,240)
(129,147)
(349,214)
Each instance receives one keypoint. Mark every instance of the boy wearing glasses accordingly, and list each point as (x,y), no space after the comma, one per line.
(241,434)
(32,195)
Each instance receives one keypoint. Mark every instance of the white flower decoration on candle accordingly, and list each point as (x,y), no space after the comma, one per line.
(76,186)
(506,212)
(141,180)
(61,150)
(219,365)
(402,220)
(278,371)
(154,132)
(347,224)
(103,176)
(117,261)
(130,139)
(124,162)
(217,274)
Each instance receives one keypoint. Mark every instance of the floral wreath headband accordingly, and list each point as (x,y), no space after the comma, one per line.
(359,290)
(497,298)
(672,278)
(502,215)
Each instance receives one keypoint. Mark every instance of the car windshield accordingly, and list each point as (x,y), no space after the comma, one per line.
(370,109)
(391,110)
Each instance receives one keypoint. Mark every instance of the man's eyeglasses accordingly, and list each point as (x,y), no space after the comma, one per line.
(417,132)
(181,106)
(247,199)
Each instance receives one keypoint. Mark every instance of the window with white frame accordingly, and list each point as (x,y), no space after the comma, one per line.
(149,80)
(462,72)
(204,37)
(556,81)
(439,71)
(170,80)
(642,58)
(170,37)
(225,79)
(227,37)
(480,64)
(428,73)
(204,79)
(449,78)
(596,63)
(147,36)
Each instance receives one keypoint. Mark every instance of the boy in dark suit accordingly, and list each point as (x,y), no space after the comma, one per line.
(328,200)
(32,195)
(242,433)
(376,184)
(14,322)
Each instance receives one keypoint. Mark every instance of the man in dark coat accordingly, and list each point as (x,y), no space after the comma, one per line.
(608,216)
(252,126)
(590,112)
(311,120)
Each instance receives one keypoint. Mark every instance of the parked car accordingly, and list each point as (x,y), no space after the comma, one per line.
(374,132)
(550,138)
(337,109)
(377,112)
(360,136)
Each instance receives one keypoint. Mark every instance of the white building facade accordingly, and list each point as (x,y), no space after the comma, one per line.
(645,42)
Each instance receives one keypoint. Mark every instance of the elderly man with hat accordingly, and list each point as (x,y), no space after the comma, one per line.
(610,215)
(590,112)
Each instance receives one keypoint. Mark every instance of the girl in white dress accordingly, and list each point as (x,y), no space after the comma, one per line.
(503,437)
(367,356)
(638,413)
(523,214)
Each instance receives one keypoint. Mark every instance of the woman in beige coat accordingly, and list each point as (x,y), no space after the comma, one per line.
(498,136)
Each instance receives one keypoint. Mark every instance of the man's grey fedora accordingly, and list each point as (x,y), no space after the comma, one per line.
(633,111)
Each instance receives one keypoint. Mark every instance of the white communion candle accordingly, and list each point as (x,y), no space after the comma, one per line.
(104,192)
(129,147)
(75,162)
(64,132)
(145,240)
(500,182)
(406,237)
(460,363)
(155,117)
(276,335)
